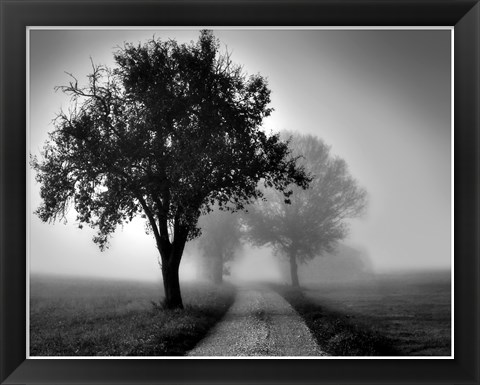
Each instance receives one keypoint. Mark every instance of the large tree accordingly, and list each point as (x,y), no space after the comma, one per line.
(169,131)
(219,242)
(315,218)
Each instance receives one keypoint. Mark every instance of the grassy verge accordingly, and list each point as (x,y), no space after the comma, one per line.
(335,332)
(106,319)
(412,309)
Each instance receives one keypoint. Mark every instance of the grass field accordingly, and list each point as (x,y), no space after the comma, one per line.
(75,317)
(391,315)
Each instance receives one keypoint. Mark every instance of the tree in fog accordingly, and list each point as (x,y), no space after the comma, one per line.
(314,219)
(170,131)
(220,240)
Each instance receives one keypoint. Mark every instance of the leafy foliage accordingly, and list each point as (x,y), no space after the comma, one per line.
(170,131)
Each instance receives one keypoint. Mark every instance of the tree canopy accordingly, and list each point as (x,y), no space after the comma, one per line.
(168,132)
(315,218)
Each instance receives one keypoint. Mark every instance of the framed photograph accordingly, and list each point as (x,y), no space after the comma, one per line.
(240,192)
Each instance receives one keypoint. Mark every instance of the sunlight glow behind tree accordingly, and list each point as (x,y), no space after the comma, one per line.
(170,131)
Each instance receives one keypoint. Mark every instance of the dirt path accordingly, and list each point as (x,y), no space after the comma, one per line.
(259,323)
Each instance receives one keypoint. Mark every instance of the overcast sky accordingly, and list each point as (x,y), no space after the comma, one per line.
(380,98)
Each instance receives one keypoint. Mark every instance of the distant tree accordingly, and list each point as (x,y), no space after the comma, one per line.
(315,218)
(170,131)
(220,240)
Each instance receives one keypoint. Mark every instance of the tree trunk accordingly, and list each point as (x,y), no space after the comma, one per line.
(217,269)
(294,270)
(171,284)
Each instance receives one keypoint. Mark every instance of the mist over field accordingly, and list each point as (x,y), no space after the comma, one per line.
(380,99)
(357,264)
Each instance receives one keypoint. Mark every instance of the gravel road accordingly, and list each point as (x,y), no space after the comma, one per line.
(259,323)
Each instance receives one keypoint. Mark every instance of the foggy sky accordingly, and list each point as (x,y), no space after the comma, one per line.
(380,98)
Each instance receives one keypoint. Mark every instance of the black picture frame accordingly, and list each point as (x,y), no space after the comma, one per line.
(16,15)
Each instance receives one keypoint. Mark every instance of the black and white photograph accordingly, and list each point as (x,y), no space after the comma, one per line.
(240,192)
